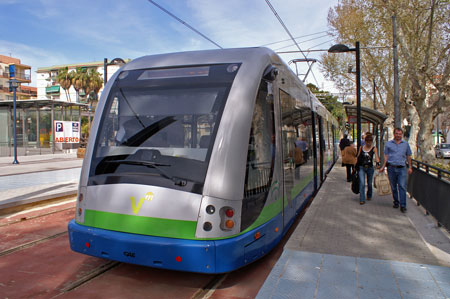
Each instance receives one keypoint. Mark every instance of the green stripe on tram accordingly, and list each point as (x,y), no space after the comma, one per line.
(141,225)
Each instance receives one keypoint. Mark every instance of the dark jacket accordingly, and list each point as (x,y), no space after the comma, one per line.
(344,143)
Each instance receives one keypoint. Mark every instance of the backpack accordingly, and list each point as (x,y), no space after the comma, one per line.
(366,159)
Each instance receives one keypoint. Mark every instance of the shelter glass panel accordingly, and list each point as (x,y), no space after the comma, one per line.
(31,127)
(45,127)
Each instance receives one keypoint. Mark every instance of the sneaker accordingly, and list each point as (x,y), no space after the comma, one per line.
(362,202)
(395,206)
(403,209)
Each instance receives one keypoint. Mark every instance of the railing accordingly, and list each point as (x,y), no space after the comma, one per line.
(22,75)
(26,91)
(430,187)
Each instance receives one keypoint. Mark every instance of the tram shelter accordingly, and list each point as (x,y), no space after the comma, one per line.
(374,122)
(35,119)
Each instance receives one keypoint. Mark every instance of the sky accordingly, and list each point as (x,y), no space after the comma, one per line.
(43,33)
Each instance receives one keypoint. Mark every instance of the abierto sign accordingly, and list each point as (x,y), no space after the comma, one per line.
(67,131)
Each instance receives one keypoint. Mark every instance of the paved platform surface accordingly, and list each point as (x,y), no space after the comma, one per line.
(38,178)
(341,249)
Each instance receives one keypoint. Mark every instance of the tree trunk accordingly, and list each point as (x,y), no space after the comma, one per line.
(414,131)
(424,142)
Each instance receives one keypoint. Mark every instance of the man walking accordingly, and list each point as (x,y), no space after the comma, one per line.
(396,152)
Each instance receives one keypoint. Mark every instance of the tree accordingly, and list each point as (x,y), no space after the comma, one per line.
(79,80)
(328,100)
(424,63)
(64,78)
(94,83)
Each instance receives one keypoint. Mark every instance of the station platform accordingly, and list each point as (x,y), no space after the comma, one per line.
(341,249)
(37,178)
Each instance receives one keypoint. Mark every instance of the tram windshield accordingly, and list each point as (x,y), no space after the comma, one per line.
(158,126)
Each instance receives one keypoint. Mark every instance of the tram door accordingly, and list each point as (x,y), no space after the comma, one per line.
(297,163)
(320,147)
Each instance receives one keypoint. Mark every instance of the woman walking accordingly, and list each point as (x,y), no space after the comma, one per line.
(365,164)
(349,160)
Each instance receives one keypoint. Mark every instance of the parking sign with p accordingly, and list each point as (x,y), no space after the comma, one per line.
(59,126)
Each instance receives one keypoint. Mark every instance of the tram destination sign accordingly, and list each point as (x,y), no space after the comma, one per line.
(67,131)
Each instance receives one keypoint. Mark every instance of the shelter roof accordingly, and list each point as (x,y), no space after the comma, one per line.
(367,114)
(40,103)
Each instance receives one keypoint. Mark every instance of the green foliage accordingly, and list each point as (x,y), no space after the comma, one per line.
(328,100)
(89,81)
(64,79)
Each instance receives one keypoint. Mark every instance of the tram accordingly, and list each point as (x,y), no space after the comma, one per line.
(200,161)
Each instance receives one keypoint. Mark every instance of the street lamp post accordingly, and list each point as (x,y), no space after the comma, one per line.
(115,61)
(14,84)
(343,115)
(340,48)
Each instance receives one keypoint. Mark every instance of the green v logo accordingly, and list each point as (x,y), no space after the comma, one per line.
(139,205)
(136,208)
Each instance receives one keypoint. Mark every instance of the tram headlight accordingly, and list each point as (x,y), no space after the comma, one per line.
(210,209)
(207,226)
(81,202)
(218,218)
(229,213)
(227,222)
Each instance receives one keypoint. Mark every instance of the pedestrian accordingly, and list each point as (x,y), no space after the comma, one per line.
(396,153)
(365,168)
(344,142)
(303,145)
(349,160)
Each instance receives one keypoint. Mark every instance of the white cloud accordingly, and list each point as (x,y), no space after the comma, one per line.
(32,56)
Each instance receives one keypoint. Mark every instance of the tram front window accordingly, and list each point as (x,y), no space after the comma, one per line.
(158,126)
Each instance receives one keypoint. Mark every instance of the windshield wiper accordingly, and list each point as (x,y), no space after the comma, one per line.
(177,181)
(147,132)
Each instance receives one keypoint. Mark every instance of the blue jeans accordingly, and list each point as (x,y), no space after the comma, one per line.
(397,178)
(363,172)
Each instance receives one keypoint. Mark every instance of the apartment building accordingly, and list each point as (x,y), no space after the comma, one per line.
(48,87)
(11,67)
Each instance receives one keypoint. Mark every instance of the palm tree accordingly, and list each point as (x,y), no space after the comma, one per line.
(64,78)
(93,86)
(79,80)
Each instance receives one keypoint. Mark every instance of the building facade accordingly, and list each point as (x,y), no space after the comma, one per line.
(10,68)
(48,87)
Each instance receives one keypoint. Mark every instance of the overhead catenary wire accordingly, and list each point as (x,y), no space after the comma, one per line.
(282,41)
(292,38)
(304,41)
(184,23)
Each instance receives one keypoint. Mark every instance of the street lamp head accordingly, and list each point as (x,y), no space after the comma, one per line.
(339,48)
(14,83)
(117,61)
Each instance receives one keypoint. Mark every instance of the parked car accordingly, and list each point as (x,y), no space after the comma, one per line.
(442,150)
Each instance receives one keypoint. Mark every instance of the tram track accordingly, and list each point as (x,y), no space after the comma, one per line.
(22,219)
(31,244)
(210,287)
(91,275)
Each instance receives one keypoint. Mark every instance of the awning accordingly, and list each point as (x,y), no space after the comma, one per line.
(52,89)
(367,114)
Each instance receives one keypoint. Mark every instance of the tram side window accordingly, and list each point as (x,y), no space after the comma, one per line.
(261,147)
(260,156)
(112,127)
